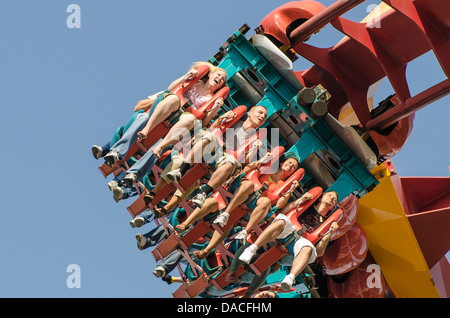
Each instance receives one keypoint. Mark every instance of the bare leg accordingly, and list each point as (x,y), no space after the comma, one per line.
(298,265)
(215,240)
(300,261)
(242,193)
(178,132)
(160,184)
(210,205)
(144,104)
(270,233)
(220,176)
(262,208)
(196,152)
(173,202)
(167,106)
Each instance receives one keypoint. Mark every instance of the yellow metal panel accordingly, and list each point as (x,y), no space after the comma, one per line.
(392,241)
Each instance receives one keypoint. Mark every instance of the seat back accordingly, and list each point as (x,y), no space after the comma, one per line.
(275,191)
(295,213)
(255,174)
(313,233)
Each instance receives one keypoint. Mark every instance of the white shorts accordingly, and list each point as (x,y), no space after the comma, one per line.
(300,242)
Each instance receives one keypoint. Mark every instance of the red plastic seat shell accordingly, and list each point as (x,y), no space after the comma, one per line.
(346,253)
(277,21)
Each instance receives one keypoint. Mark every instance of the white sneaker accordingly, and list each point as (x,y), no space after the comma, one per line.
(199,199)
(159,272)
(111,158)
(112,185)
(175,175)
(248,254)
(137,222)
(97,151)
(241,236)
(222,219)
(287,282)
(141,240)
(129,180)
(118,194)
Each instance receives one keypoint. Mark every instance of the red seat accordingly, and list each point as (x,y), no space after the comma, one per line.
(313,235)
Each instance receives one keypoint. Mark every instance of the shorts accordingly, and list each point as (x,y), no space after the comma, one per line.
(175,163)
(295,246)
(228,158)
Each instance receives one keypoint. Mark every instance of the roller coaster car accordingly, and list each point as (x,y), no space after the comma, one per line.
(163,128)
(310,229)
(195,173)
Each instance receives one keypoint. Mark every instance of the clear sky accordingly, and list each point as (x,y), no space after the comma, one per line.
(64,89)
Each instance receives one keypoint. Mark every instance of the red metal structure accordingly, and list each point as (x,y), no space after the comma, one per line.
(379,47)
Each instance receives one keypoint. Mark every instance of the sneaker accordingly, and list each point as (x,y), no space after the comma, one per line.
(111,158)
(222,219)
(148,198)
(287,283)
(241,236)
(141,241)
(199,199)
(137,222)
(175,175)
(232,278)
(248,254)
(168,279)
(112,185)
(97,151)
(129,180)
(118,194)
(159,271)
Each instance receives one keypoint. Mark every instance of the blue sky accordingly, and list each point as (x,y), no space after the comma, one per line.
(63,90)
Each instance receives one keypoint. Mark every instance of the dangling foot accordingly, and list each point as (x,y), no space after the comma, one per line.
(148,198)
(159,271)
(248,254)
(232,278)
(97,151)
(159,212)
(112,185)
(129,180)
(287,283)
(200,255)
(118,194)
(222,219)
(199,199)
(137,222)
(182,229)
(241,236)
(111,158)
(175,175)
(141,241)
